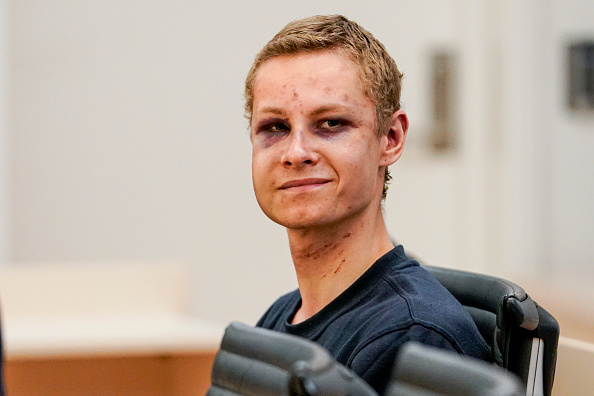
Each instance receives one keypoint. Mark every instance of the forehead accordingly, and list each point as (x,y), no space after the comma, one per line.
(310,77)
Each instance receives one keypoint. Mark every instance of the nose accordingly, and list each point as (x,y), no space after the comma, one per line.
(301,151)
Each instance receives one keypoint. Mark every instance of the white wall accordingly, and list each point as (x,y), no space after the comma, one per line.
(571,136)
(544,152)
(127,138)
(519,148)
(129,141)
(4,38)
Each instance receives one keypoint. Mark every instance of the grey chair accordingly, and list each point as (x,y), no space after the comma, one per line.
(422,370)
(258,362)
(523,336)
(253,361)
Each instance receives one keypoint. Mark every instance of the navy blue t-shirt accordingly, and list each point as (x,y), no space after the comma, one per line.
(393,302)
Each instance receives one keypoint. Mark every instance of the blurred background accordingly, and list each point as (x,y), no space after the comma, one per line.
(122,139)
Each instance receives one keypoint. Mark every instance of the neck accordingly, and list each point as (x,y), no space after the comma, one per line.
(329,259)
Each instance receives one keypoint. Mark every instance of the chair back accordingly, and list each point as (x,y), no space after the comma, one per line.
(523,336)
(259,362)
(422,370)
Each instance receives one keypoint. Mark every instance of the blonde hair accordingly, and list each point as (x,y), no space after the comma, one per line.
(378,71)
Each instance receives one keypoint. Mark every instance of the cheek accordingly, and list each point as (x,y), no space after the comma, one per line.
(356,161)
(359,168)
(256,176)
(261,170)
(259,189)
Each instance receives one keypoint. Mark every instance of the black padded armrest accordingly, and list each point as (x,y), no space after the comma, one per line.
(255,362)
(274,348)
(421,370)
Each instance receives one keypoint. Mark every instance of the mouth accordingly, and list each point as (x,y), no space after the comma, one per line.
(304,184)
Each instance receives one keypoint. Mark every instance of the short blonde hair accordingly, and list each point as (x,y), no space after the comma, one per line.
(378,72)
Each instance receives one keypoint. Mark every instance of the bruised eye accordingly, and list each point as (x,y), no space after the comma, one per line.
(273,126)
(268,132)
(333,127)
(276,128)
(331,124)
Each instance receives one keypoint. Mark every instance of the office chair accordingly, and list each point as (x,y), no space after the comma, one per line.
(422,370)
(522,335)
(259,362)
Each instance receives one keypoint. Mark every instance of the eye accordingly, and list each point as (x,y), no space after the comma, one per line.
(272,126)
(276,127)
(331,124)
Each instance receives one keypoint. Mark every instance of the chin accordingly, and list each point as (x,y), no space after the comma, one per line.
(314,214)
(299,221)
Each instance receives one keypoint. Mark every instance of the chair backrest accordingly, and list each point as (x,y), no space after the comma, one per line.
(422,370)
(258,362)
(522,335)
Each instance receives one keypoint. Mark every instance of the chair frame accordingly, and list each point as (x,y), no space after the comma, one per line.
(523,336)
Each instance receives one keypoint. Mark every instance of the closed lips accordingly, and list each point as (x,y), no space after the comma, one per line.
(303,182)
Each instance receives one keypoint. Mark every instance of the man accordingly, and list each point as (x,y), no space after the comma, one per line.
(323,100)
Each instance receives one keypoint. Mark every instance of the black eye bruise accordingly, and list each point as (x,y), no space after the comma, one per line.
(273,125)
(280,127)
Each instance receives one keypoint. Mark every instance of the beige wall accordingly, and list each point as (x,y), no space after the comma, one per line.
(127,140)
(3,128)
(571,153)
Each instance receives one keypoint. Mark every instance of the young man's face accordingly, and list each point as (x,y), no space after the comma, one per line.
(317,158)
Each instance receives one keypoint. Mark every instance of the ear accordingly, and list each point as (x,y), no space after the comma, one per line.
(393,141)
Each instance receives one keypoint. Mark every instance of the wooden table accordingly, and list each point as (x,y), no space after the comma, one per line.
(104,328)
(143,355)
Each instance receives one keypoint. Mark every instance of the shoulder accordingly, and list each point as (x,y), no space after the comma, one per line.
(432,312)
(374,360)
(278,313)
(432,307)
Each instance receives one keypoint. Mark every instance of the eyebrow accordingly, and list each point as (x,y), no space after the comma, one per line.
(273,110)
(316,112)
(328,108)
